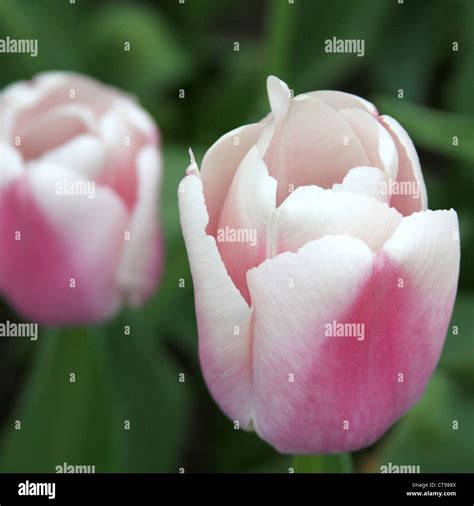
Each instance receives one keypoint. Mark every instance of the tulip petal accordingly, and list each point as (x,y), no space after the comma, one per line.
(123,143)
(52,129)
(85,154)
(223,316)
(219,165)
(312,144)
(139,121)
(60,253)
(241,234)
(11,164)
(427,245)
(310,213)
(413,198)
(293,296)
(140,265)
(340,100)
(51,89)
(377,142)
(368,181)
(25,102)
(346,392)
(16,100)
(278,95)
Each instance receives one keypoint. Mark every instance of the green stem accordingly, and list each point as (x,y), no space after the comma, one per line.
(336,463)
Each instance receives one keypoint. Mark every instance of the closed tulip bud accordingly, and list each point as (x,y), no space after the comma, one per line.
(323,284)
(80,173)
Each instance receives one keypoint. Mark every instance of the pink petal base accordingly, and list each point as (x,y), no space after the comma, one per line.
(35,271)
(348,392)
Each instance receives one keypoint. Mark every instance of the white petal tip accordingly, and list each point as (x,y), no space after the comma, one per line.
(191,156)
(279,94)
(193,167)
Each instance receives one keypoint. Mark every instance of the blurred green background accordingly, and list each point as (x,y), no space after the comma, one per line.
(190,46)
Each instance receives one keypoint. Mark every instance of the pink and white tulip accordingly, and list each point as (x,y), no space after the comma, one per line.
(80,172)
(325,330)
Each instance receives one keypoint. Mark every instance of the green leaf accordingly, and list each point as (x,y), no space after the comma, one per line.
(228,99)
(427,436)
(458,90)
(201,13)
(408,55)
(312,68)
(120,379)
(335,463)
(458,354)
(58,48)
(431,128)
(250,454)
(63,421)
(132,47)
(148,394)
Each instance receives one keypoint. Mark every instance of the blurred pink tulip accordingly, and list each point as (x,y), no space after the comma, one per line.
(80,172)
(323,285)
